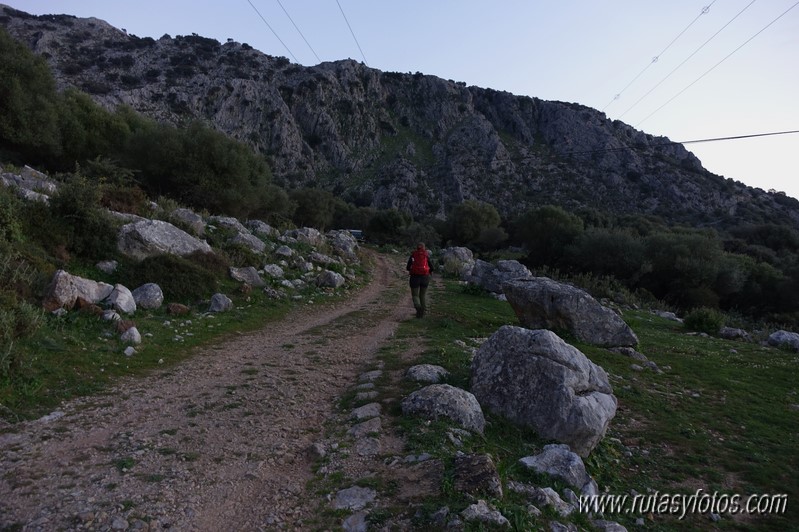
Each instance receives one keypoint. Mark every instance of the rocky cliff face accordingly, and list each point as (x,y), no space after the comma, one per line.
(411,141)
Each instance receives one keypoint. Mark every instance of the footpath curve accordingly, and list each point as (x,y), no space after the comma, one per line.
(217,442)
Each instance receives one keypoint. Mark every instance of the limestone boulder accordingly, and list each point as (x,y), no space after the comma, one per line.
(330,279)
(541,303)
(65,289)
(344,245)
(262,228)
(785,340)
(228,222)
(444,401)
(121,299)
(248,275)
(148,238)
(491,277)
(558,461)
(148,296)
(190,219)
(307,235)
(535,379)
(458,261)
(249,241)
(220,303)
(426,373)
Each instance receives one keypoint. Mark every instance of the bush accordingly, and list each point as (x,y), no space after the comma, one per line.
(90,232)
(214,263)
(10,227)
(17,317)
(705,319)
(180,279)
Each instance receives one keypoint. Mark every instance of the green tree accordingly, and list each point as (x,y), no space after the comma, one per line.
(28,112)
(88,131)
(469,220)
(199,167)
(683,267)
(613,252)
(546,232)
(315,207)
(387,226)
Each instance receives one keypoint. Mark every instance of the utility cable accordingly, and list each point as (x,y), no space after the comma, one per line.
(273,31)
(655,59)
(697,141)
(686,60)
(352,32)
(298,30)
(717,64)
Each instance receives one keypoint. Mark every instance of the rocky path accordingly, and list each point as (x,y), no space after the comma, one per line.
(219,442)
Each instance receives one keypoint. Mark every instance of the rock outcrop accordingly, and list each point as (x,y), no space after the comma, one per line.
(535,379)
(148,238)
(415,142)
(541,303)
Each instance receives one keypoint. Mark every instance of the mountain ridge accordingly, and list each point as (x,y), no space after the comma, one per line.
(414,142)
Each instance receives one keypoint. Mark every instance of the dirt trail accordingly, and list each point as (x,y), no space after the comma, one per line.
(218,442)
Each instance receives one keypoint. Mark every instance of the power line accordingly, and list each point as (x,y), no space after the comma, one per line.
(273,31)
(686,60)
(352,32)
(741,137)
(655,59)
(697,141)
(298,31)
(717,64)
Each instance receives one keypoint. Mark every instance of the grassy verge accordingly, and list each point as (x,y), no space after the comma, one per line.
(79,354)
(721,417)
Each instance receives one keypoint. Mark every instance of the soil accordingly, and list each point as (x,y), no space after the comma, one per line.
(220,441)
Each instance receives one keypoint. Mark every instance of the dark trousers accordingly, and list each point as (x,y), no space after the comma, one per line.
(419,285)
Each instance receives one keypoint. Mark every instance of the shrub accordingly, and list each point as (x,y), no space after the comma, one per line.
(180,279)
(704,319)
(90,232)
(214,263)
(10,227)
(17,317)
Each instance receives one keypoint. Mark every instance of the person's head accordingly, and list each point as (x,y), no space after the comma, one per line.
(420,245)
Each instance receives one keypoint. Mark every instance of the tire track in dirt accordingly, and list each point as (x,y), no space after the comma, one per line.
(218,442)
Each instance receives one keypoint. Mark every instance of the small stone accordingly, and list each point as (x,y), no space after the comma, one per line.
(129,351)
(366,411)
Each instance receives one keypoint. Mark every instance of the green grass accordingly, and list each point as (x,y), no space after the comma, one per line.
(719,417)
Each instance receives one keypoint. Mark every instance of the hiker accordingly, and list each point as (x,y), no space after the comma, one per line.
(419,269)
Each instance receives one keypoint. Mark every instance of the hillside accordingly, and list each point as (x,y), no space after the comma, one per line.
(412,141)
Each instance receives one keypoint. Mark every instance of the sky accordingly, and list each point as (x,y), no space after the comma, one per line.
(683,69)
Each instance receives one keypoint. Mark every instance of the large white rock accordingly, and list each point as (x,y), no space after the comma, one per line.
(147,238)
(121,299)
(541,303)
(535,379)
(65,289)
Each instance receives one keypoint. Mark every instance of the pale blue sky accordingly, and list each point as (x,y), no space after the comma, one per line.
(583,51)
